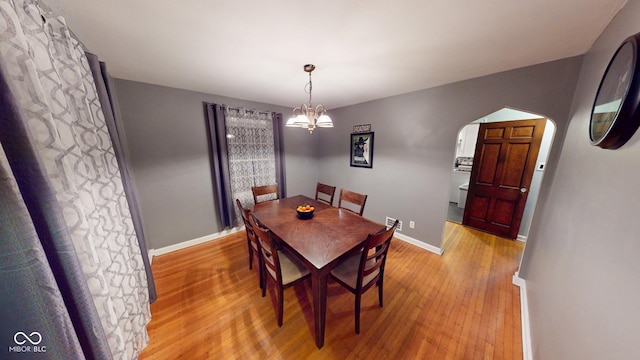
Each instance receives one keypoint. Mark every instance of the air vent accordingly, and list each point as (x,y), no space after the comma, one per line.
(390,222)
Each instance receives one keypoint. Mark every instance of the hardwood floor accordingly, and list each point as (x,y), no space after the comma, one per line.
(461,305)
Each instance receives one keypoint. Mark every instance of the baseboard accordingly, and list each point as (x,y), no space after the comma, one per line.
(521,238)
(418,243)
(203,239)
(188,243)
(527,353)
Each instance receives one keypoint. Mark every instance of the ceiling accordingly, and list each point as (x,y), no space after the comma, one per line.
(363,50)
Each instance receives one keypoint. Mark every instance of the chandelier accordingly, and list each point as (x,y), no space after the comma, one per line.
(307,116)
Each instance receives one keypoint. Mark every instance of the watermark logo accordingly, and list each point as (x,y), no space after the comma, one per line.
(34,338)
(27,343)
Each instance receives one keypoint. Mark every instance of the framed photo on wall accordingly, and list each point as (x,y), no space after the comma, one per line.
(362,150)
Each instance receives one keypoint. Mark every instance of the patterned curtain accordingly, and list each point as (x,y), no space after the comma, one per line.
(54,97)
(252,160)
(247,152)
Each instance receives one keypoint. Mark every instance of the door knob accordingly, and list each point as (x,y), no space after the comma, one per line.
(523,190)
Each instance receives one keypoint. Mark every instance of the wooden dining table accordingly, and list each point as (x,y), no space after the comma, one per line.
(321,243)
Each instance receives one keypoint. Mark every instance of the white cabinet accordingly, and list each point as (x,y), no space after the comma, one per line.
(467,140)
(457,178)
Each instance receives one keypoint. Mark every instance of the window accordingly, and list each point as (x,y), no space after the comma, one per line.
(246,153)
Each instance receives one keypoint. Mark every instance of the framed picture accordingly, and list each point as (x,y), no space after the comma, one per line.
(362,150)
(362,128)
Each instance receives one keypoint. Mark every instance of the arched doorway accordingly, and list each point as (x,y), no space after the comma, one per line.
(463,161)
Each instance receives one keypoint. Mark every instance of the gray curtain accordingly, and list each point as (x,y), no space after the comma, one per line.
(219,129)
(220,164)
(43,287)
(279,147)
(115,127)
(72,271)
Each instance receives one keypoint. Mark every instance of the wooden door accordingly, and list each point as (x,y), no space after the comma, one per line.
(504,162)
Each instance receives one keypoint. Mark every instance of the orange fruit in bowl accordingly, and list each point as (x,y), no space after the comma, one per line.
(304,208)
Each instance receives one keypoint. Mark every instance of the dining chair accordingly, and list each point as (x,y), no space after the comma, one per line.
(264,191)
(325,193)
(280,268)
(252,242)
(355,202)
(366,268)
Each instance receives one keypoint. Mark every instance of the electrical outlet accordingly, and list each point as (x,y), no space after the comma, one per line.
(412,224)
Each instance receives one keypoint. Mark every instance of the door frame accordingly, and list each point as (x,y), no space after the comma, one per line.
(538,177)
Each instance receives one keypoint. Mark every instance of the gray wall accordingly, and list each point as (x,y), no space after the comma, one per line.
(582,267)
(167,141)
(415,138)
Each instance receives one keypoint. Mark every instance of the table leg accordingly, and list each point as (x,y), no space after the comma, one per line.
(319,286)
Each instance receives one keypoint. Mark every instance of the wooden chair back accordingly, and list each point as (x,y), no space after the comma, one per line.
(374,256)
(273,270)
(350,197)
(245,218)
(268,250)
(265,193)
(252,241)
(367,267)
(325,193)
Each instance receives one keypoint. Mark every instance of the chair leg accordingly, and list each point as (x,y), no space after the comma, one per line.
(357,312)
(261,278)
(250,254)
(280,306)
(380,291)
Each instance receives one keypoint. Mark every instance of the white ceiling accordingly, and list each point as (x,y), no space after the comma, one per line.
(363,50)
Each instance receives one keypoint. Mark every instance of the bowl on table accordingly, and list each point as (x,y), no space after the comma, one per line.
(305,212)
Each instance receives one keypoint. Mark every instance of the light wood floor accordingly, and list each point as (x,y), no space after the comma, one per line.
(461,305)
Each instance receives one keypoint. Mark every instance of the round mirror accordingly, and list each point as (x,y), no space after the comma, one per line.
(615,116)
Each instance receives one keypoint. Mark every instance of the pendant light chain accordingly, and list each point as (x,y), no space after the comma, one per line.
(310,90)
